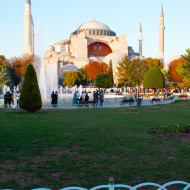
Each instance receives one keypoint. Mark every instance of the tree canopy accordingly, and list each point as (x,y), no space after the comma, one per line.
(95,68)
(131,72)
(75,78)
(103,81)
(5,78)
(184,69)
(20,64)
(172,71)
(154,63)
(154,79)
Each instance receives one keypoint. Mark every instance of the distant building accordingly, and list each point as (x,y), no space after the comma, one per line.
(92,41)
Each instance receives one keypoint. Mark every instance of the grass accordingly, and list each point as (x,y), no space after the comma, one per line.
(60,148)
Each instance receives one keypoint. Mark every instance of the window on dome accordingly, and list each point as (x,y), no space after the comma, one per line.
(97,54)
(106,48)
(94,53)
(94,47)
(102,54)
(89,48)
(101,47)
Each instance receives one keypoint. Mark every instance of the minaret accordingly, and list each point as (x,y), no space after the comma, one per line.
(161,36)
(140,40)
(28,29)
(32,35)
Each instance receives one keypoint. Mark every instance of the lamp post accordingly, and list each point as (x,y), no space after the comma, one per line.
(138,99)
(138,82)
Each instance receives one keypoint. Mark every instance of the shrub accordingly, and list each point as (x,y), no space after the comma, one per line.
(30,98)
(154,79)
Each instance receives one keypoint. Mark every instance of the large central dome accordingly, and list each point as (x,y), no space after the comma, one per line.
(93,25)
(94,28)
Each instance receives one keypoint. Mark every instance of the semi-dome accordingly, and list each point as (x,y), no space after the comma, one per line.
(94,28)
(115,57)
(70,67)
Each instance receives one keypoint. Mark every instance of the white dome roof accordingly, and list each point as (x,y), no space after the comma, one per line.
(93,25)
(115,57)
(69,66)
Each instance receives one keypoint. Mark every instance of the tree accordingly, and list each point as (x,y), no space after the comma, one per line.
(30,98)
(174,75)
(154,79)
(83,76)
(184,68)
(74,78)
(95,68)
(154,63)
(5,78)
(110,68)
(131,72)
(3,62)
(103,81)
(20,64)
(12,73)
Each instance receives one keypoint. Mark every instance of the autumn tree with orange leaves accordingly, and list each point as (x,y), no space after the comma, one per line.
(94,68)
(174,75)
(20,64)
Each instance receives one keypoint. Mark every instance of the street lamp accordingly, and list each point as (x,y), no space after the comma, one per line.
(138,99)
(138,82)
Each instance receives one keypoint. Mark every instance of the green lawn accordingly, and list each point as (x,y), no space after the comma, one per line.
(84,147)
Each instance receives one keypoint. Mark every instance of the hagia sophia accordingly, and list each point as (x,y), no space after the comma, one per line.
(92,41)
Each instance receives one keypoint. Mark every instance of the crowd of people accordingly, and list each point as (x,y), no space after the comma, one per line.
(98,97)
(9,99)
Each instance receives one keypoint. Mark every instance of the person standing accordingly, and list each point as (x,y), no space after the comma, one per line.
(96,97)
(17,98)
(101,97)
(77,96)
(56,98)
(74,99)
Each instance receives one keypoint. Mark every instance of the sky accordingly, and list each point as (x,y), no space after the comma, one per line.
(59,18)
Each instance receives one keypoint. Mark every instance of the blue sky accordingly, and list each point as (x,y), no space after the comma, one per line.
(59,18)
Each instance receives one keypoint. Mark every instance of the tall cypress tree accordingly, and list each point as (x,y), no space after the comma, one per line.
(30,98)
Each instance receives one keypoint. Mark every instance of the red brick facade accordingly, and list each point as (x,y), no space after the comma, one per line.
(98,49)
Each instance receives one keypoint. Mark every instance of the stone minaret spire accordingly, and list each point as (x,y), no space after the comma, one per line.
(28,29)
(140,40)
(32,36)
(161,35)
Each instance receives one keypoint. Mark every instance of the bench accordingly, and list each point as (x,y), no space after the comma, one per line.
(183,96)
(85,103)
(119,93)
(127,102)
(147,96)
(156,100)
